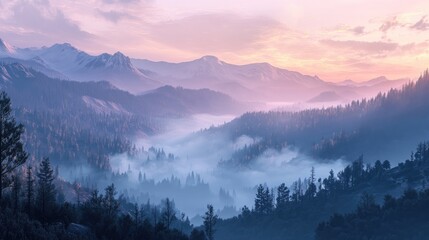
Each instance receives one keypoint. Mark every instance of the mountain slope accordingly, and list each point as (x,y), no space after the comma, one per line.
(37,64)
(6,50)
(35,90)
(251,82)
(255,82)
(80,66)
(308,203)
(368,127)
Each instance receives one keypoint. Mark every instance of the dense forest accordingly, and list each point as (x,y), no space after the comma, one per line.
(395,219)
(381,127)
(294,212)
(33,202)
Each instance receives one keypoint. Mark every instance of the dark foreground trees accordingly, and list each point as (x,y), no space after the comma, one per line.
(210,219)
(396,219)
(33,207)
(12,153)
(45,190)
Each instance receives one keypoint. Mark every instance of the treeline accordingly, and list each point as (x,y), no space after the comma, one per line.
(74,122)
(395,219)
(370,127)
(294,212)
(32,207)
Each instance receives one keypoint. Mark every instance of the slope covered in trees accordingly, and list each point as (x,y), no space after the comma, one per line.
(294,212)
(381,127)
(396,219)
(33,203)
(79,122)
(34,90)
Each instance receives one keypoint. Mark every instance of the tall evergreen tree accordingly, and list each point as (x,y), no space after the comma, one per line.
(29,190)
(110,203)
(76,188)
(45,188)
(16,191)
(210,219)
(12,153)
(168,213)
(259,200)
(312,189)
(282,195)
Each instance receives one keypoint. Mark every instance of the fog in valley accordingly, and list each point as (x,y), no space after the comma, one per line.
(182,163)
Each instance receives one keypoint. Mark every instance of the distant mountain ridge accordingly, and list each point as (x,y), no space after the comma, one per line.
(395,121)
(80,66)
(34,90)
(259,82)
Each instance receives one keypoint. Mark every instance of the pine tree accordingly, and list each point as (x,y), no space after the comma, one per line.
(76,188)
(16,190)
(269,200)
(168,213)
(210,220)
(110,203)
(12,153)
(282,195)
(45,188)
(312,189)
(29,191)
(136,214)
(259,200)
(140,177)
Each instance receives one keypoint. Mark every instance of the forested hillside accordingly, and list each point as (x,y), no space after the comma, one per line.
(86,122)
(33,203)
(295,212)
(381,127)
(395,219)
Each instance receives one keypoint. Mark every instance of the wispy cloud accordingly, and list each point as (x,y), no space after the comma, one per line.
(213,32)
(115,16)
(421,25)
(39,20)
(390,24)
(359,30)
(362,46)
(120,1)
(314,38)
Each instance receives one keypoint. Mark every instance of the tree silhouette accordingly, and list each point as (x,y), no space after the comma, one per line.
(29,190)
(282,195)
(110,203)
(168,213)
(45,188)
(210,220)
(12,153)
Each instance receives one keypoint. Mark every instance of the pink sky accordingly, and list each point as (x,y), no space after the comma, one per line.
(334,39)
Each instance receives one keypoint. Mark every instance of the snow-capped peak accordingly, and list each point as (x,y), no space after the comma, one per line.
(63,45)
(116,61)
(6,49)
(119,59)
(210,59)
(12,71)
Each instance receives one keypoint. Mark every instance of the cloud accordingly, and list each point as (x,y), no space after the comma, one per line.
(359,30)
(120,1)
(421,25)
(389,24)
(41,21)
(213,32)
(115,16)
(362,46)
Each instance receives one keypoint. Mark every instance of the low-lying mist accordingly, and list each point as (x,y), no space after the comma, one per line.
(183,164)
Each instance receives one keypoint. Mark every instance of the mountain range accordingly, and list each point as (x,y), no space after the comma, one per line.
(256,82)
(35,91)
